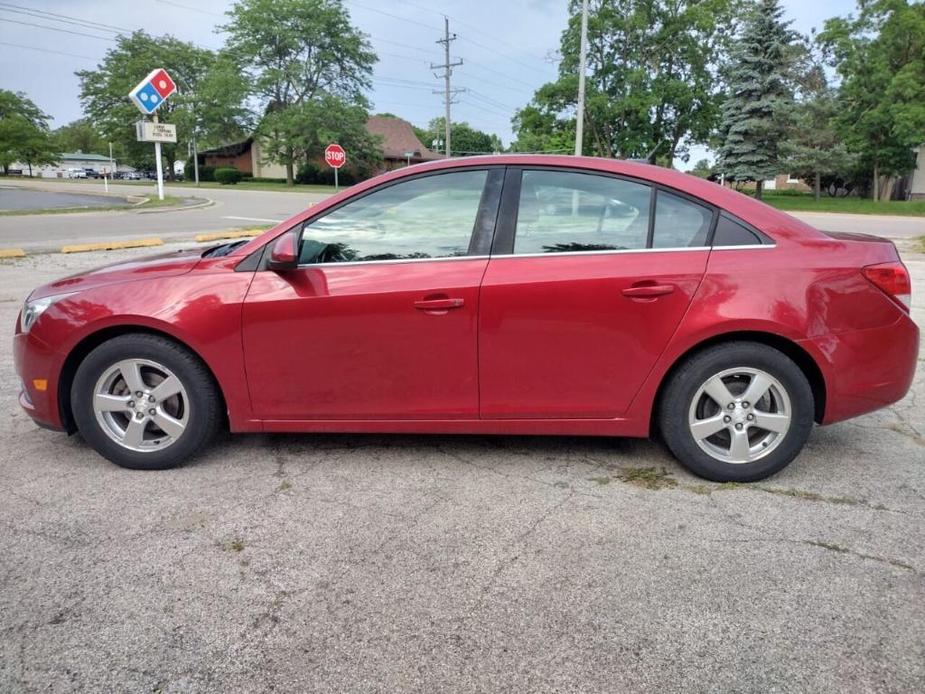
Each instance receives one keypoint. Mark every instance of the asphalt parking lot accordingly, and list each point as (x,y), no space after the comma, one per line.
(411,563)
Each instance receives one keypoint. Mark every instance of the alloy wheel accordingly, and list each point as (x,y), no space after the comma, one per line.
(740,415)
(141,405)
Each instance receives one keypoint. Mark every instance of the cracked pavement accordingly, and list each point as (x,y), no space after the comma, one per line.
(453,563)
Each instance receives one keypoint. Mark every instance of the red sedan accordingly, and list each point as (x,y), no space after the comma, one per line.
(490,295)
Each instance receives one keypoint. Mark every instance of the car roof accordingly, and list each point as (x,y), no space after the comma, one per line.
(764,217)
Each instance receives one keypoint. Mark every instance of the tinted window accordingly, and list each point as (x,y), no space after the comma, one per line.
(730,233)
(680,223)
(563,211)
(428,217)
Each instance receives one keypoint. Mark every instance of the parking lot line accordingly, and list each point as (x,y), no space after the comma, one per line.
(111,245)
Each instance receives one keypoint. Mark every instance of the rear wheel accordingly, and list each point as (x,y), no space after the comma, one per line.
(739,411)
(144,402)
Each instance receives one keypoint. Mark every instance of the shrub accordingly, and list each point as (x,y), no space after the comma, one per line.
(227,175)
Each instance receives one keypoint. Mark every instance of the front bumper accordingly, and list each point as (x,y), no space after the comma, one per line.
(35,362)
(866,370)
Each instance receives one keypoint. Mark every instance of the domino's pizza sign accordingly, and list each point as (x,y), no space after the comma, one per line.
(152,91)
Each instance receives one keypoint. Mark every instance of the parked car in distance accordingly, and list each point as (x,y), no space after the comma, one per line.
(92,173)
(130,176)
(75,173)
(509,294)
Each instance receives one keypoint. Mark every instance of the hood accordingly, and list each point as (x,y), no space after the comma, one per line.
(162,265)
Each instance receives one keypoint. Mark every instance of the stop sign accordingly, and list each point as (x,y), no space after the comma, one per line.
(335,155)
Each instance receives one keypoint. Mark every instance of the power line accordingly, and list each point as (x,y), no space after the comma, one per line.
(63,18)
(393,16)
(189,7)
(46,50)
(63,31)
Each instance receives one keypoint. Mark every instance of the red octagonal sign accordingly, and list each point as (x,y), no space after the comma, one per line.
(335,155)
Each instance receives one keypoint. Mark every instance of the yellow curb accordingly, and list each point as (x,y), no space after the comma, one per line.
(111,245)
(12,253)
(216,235)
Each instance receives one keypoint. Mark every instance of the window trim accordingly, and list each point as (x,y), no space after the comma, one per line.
(484,226)
(506,224)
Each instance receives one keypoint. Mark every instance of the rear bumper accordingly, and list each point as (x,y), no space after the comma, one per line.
(866,370)
(36,361)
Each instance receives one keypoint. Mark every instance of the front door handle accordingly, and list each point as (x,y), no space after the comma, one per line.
(438,304)
(648,291)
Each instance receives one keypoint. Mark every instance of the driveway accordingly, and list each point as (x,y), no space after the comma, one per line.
(450,563)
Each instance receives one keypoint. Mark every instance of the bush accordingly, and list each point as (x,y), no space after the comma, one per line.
(227,175)
(323,175)
(260,179)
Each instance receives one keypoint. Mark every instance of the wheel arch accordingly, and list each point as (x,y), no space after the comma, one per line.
(803,359)
(90,342)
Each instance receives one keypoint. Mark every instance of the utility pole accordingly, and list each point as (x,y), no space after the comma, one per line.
(582,66)
(447,68)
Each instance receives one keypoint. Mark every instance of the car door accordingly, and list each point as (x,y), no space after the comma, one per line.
(589,277)
(380,319)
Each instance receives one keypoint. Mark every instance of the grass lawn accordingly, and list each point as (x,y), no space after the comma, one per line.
(244,185)
(805,202)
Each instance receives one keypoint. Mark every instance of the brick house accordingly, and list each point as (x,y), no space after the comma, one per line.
(400,146)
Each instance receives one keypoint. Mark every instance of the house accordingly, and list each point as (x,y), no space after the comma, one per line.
(246,157)
(400,147)
(917,184)
(68,162)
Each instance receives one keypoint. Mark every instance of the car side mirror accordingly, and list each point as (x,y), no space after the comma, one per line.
(284,254)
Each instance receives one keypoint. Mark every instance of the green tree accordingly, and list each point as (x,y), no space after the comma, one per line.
(296,52)
(208,103)
(314,124)
(702,169)
(652,88)
(24,133)
(760,94)
(80,135)
(880,56)
(466,139)
(813,149)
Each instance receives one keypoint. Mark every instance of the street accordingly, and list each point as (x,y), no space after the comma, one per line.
(458,563)
(231,209)
(234,208)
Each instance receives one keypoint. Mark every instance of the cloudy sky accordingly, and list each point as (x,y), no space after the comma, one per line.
(506,45)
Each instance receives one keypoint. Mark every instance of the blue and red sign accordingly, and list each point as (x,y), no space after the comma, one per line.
(152,91)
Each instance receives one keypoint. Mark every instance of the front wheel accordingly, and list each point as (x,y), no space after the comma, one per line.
(144,402)
(737,412)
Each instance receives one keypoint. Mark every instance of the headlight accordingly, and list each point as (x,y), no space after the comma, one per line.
(31,310)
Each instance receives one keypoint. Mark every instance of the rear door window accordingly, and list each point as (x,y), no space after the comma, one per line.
(567,212)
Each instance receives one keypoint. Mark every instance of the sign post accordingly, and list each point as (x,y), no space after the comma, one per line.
(336,157)
(149,95)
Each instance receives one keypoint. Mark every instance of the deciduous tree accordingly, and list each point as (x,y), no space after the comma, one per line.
(652,83)
(880,56)
(24,133)
(296,53)
(208,103)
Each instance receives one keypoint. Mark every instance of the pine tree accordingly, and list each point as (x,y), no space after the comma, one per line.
(754,112)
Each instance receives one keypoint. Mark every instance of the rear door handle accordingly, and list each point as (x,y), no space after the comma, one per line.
(438,304)
(648,291)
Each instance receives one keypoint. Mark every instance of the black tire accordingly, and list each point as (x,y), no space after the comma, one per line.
(677,398)
(205,404)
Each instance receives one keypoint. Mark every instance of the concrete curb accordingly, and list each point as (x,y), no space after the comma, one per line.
(111,245)
(134,243)
(237,234)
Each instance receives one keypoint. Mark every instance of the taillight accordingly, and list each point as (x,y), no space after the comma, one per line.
(893,280)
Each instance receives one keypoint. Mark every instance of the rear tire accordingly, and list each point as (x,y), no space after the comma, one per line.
(736,412)
(144,402)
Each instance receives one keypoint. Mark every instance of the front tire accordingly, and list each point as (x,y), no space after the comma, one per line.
(736,412)
(144,402)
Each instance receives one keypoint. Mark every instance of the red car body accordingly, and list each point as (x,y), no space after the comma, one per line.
(513,344)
